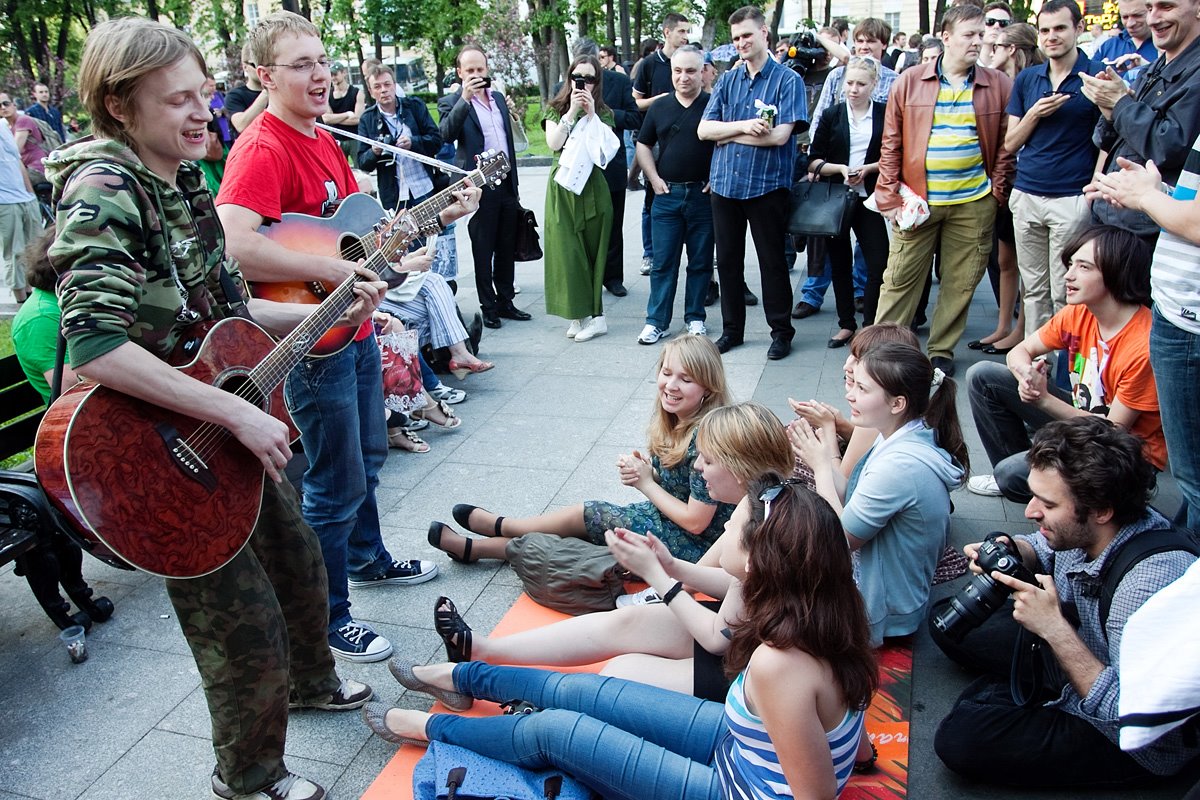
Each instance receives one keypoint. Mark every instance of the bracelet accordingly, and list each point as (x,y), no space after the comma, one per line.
(670,595)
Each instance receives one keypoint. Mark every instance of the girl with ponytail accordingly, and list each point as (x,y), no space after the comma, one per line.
(895,504)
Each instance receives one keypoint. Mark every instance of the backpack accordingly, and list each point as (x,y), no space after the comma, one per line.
(1132,553)
(50,137)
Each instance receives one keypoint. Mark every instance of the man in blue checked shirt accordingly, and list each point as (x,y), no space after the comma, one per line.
(1067,735)
(753,114)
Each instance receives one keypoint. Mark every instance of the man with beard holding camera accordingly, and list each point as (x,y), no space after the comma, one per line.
(1091,490)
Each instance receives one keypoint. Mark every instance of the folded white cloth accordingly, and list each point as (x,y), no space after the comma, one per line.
(913,211)
(591,144)
(1160,648)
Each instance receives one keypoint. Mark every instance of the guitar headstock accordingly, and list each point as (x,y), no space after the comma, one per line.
(493,167)
(394,232)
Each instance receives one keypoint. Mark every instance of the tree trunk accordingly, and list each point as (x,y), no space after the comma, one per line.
(290,5)
(923,16)
(776,18)
(828,12)
(638,8)
(19,39)
(610,20)
(709,33)
(628,48)
(152,9)
(810,9)
(64,30)
(937,19)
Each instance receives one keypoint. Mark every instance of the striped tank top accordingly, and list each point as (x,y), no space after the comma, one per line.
(746,761)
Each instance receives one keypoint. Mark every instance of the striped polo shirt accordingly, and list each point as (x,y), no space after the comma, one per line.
(1174,282)
(954,171)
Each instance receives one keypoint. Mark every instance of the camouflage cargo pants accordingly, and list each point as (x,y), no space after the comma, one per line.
(257,629)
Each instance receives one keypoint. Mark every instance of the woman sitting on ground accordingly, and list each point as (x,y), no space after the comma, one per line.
(664,644)
(854,440)
(678,508)
(895,506)
(791,723)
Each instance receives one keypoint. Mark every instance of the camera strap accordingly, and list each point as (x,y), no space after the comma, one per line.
(1028,669)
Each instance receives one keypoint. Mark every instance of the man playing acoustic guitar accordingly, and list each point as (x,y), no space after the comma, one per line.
(283,163)
(142,257)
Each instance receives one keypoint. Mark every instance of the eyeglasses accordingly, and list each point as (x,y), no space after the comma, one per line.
(308,65)
(5,103)
(991,22)
(771,493)
(584,78)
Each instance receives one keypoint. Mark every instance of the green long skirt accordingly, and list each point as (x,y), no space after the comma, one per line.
(576,230)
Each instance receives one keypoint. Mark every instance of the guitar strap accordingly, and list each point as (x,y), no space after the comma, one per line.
(234,303)
(60,356)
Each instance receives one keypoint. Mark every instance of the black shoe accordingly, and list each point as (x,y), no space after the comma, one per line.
(616,288)
(725,343)
(491,319)
(512,312)
(803,310)
(779,349)
(946,365)
(714,294)
(751,298)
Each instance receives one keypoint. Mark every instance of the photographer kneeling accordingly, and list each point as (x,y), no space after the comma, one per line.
(1091,488)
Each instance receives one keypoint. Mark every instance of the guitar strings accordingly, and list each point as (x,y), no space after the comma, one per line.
(209,436)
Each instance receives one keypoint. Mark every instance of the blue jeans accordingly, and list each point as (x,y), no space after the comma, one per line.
(429,378)
(622,739)
(337,402)
(647,239)
(812,291)
(681,216)
(1175,357)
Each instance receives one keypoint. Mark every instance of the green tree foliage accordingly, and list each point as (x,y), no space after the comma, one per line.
(503,37)
(437,26)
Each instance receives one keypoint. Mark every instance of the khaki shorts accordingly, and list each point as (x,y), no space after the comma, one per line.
(20,224)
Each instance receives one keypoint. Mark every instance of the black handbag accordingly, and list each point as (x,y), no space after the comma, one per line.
(820,208)
(529,244)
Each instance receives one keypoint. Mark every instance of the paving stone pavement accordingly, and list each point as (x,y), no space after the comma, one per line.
(542,430)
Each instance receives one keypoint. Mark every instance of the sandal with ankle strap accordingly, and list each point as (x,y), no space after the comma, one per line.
(455,632)
(452,421)
(462,515)
(435,538)
(406,440)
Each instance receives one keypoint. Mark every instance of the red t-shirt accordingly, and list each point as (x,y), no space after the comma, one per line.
(274,169)
(1104,372)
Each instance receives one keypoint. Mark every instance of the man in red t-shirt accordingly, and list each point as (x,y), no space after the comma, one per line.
(1105,331)
(283,163)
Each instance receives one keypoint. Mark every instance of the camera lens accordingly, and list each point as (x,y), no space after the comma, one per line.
(971,607)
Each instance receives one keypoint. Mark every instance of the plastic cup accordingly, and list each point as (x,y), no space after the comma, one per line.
(76,641)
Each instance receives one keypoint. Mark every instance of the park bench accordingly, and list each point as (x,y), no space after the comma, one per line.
(33,534)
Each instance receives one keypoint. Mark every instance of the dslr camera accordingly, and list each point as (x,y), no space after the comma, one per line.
(804,52)
(387,159)
(982,595)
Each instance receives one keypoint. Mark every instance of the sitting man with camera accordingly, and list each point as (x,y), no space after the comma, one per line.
(1100,552)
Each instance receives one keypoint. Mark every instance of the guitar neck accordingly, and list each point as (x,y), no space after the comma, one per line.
(426,214)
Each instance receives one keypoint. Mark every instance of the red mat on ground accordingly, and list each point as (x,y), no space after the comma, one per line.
(887,720)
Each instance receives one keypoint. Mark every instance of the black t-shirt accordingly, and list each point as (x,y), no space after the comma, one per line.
(340,105)
(682,157)
(654,76)
(237,101)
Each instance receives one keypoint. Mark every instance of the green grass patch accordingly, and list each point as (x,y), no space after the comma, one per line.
(533,129)
(6,345)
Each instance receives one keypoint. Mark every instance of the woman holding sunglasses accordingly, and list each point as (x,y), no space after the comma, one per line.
(792,720)
(579,213)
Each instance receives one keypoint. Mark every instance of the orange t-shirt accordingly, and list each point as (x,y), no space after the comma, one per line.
(1103,372)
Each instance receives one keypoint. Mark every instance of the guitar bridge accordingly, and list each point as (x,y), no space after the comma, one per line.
(185,458)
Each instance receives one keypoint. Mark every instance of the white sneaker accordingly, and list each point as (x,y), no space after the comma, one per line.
(984,485)
(516,289)
(642,598)
(596,326)
(647,265)
(651,334)
(576,326)
(696,328)
(289,787)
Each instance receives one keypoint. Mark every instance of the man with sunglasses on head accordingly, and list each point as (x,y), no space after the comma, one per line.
(283,163)
(1050,126)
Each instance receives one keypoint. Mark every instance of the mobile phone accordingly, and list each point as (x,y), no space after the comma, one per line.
(579,83)
(487,81)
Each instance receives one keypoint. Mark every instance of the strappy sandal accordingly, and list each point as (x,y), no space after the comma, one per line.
(867,765)
(435,538)
(519,708)
(451,420)
(455,632)
(402,671)
(462,515)
(407,441)
(375,715)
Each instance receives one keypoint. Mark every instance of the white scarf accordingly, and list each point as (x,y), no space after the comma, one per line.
(591,144)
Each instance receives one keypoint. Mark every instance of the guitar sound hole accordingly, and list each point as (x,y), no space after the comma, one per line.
(243,387)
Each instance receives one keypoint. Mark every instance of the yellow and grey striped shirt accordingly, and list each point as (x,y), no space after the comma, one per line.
(954,171)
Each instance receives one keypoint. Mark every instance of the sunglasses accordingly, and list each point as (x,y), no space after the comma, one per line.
(5,103)
(584,78)
(991,22)
(771,493)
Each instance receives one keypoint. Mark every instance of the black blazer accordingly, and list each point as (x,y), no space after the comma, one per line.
(460,124)
(426,140)
(833,140)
